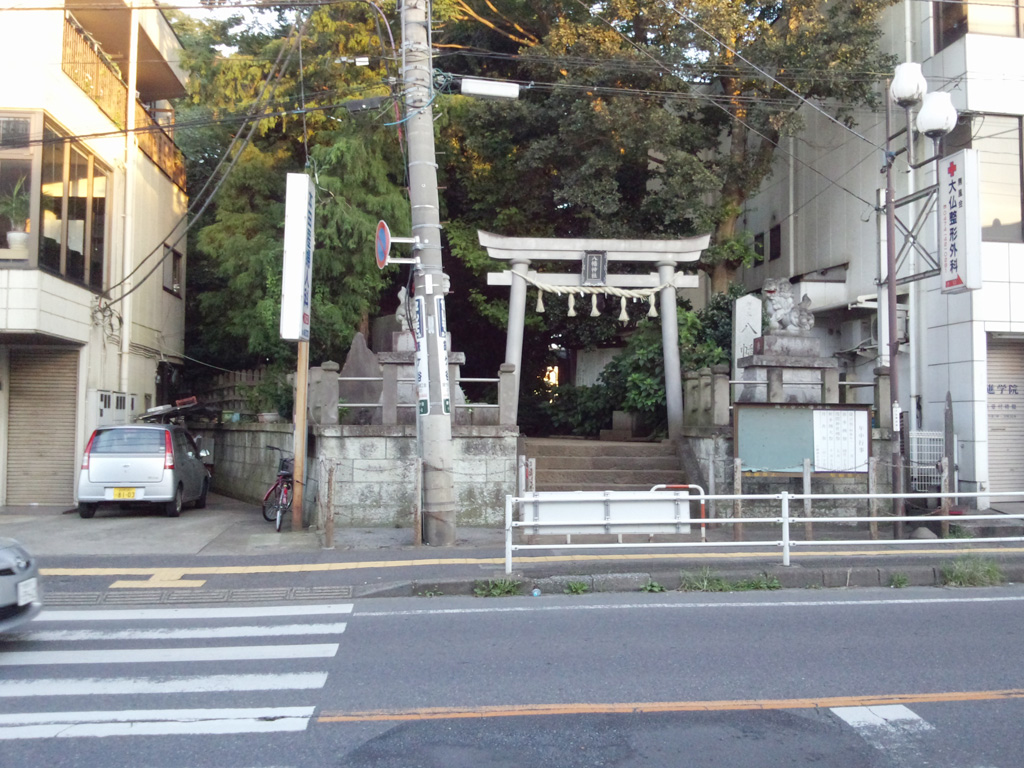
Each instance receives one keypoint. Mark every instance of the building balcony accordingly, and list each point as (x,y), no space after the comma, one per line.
(85,62)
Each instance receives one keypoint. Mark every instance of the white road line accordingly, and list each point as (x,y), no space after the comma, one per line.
(48,725)
(562,607)
(883,716)
(161,614)
(270,630)
(145,685)
(169,655)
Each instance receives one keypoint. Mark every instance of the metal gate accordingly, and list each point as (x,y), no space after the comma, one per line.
(41,426)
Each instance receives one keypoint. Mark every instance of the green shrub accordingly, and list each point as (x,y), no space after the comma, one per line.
(971,571)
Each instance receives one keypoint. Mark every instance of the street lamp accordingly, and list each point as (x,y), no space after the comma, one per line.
(935,118)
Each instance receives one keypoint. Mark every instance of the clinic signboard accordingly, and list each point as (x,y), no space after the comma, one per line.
(959,222)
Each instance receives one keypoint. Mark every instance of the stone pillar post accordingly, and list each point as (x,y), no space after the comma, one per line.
(692,400)
(776,391)
(516,321)
(508,394)
(830,385)
(720,395)
(670,350)
(883,398)
(389,394)
(322,394)
(704,418)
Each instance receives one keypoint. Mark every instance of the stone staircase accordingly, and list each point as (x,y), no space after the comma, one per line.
(569,464)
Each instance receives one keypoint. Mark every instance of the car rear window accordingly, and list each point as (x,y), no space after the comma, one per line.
(129,441)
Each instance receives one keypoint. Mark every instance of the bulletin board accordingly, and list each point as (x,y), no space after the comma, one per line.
(770,437)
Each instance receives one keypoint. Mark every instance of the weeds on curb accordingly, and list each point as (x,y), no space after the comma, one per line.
(971,571)
(706,581)
(497,588)
(652,586)
(576,587)
(761,581)
(959,532)
(702,581)
(898,580)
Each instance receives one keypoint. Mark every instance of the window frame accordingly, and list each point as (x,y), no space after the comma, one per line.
(952,21)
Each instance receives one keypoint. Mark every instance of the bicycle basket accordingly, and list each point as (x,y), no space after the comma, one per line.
(287,466)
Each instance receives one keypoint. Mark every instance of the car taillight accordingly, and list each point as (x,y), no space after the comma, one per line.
(168,451)
(88,447)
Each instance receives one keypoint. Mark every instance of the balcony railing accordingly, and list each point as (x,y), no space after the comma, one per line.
(94,74)
(159,147)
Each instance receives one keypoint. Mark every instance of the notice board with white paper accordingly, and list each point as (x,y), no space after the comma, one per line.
(770,437)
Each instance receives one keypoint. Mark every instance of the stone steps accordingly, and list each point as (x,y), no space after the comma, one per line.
(602,465)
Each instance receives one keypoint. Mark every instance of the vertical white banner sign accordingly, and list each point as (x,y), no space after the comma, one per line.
(442,353)
(422,372)
(297,272)
(960,222)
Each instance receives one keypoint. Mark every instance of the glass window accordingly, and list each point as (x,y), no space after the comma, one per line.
(15,202)
(14,132)
(129,441)
(98,227)
(73,207)
(172,270)
(775,243)
(992,17)
(998,141)
(51,233)
(78,204)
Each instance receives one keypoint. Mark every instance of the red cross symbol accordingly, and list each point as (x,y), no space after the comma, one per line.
(952,169)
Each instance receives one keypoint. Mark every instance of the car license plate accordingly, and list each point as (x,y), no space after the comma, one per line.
(28,591)
(124,493)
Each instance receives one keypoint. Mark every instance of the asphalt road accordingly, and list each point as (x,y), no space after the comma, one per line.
(875,678)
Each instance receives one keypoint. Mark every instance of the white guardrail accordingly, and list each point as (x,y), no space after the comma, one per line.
(666,510)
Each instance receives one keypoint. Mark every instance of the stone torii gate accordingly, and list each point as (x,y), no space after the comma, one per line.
(592,277)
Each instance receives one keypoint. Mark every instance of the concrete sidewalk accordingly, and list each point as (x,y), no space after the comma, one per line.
(227,550)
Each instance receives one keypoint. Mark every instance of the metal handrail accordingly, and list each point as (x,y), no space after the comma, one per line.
(785,519)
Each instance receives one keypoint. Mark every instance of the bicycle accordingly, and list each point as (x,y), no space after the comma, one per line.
(278,499)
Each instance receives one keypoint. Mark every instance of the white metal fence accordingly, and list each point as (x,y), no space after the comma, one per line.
(568,513)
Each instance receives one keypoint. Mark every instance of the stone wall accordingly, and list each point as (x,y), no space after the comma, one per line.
(375,473)
(243,468)
(375,470)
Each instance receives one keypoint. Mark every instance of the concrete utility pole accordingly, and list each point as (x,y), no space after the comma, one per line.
(434,426)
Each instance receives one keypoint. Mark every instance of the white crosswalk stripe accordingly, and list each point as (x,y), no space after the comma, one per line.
(155,640)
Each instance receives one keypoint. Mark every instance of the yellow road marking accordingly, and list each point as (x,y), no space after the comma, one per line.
(527,710)
(161,576)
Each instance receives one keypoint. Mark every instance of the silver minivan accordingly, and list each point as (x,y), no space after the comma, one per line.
(142,463)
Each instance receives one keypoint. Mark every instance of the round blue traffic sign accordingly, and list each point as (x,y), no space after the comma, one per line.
(382,244)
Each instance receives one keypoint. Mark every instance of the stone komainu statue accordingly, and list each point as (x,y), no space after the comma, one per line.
(784,314)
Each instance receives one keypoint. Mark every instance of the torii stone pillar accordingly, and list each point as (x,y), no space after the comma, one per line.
(667,255)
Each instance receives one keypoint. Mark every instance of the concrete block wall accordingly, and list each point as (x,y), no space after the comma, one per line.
(715,453)
(375,473)
(243,467)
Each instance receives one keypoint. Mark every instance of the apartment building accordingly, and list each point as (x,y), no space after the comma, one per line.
(92,207)
(820,222)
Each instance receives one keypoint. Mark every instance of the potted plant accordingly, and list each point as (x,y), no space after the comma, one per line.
(15,207)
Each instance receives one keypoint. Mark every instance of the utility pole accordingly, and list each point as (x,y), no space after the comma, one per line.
(434,424)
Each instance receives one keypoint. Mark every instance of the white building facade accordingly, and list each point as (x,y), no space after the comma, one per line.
(92,254)
(820,221)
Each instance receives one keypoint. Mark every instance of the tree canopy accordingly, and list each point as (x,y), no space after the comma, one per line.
(637,118)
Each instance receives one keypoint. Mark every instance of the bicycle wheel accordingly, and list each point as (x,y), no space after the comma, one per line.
(272,502)
(284,505)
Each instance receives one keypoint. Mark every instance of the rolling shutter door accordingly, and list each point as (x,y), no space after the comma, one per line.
(1005,415)
(41,432)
